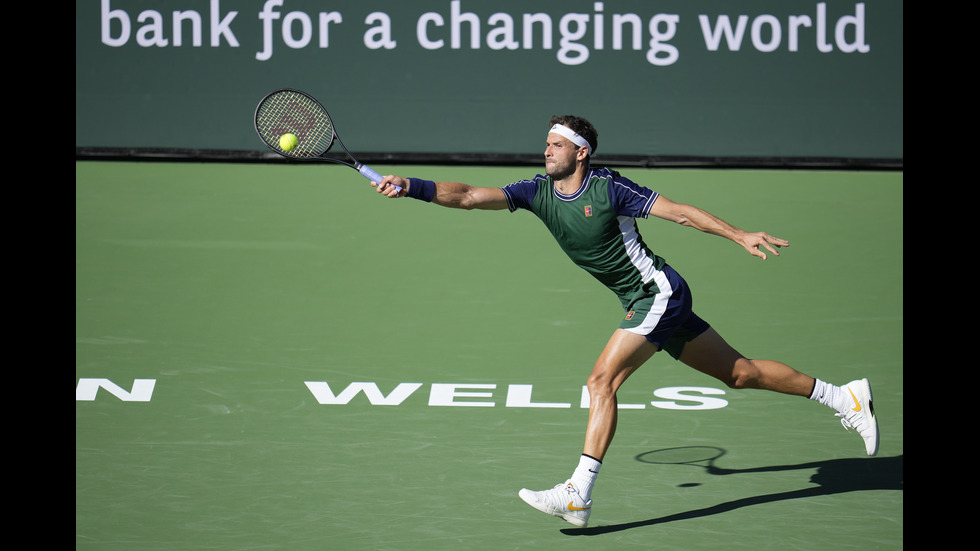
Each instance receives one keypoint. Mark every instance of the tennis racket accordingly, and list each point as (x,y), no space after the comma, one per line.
(289,111)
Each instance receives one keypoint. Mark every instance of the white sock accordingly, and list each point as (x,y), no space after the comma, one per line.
(585,474)
(829,395)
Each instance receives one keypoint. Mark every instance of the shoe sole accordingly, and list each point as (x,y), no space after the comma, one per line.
(874,419)
(526,496)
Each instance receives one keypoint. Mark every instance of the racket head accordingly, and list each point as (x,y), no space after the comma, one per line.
(289,111)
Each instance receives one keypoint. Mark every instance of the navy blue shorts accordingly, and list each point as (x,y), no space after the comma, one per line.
(663,312)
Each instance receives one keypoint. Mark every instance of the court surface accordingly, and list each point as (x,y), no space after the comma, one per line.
(234,307)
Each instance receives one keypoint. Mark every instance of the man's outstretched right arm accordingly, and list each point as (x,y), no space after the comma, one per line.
(448,194)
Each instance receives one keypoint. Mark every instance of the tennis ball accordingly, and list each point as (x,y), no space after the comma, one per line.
(288,142)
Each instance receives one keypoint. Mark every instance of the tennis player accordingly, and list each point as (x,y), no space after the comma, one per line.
(592,214)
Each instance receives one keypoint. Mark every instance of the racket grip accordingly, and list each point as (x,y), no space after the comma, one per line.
(370,174)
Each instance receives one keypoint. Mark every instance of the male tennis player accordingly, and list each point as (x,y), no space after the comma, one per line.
(592,214)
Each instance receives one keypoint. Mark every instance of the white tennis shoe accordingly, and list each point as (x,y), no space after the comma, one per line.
(562,501)
(860,414)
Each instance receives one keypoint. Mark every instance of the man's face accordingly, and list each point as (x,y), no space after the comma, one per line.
(559,156)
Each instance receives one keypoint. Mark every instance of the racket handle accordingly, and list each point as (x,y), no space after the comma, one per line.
(370,174)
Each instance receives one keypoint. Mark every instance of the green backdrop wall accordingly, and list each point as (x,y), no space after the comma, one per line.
(737,78)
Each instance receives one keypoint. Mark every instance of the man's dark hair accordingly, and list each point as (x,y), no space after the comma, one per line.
(581,127)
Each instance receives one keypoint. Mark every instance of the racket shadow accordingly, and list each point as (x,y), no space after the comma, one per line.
(834,476)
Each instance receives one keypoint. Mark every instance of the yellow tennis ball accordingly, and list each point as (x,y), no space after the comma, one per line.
(288,142)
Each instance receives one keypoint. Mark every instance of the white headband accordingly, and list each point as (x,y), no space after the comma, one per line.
(572,136)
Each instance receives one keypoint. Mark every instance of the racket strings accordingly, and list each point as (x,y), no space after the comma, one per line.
(288,112)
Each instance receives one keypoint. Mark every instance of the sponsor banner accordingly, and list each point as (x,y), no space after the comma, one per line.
(770,78)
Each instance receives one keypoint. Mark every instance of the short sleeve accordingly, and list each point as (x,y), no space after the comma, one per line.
(520,194)
(631,199)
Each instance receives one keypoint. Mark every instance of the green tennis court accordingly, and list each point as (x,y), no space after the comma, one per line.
(226,314)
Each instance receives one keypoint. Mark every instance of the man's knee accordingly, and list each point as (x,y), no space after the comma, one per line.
(745,374)
(606,379)
(600,382)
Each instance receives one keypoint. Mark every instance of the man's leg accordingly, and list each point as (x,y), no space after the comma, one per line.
(623,354)
(710,354)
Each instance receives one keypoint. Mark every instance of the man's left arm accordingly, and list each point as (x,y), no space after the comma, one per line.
(691,216)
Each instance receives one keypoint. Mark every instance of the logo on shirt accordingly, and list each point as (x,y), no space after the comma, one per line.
(630,315)
(588,210)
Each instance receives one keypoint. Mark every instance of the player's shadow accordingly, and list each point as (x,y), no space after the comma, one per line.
(833,476)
